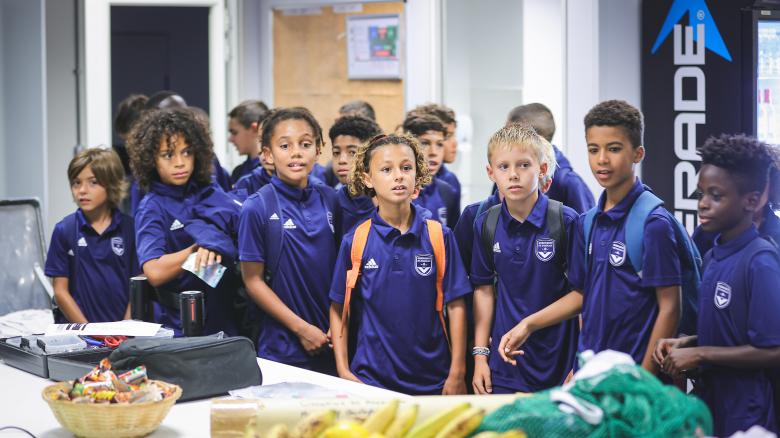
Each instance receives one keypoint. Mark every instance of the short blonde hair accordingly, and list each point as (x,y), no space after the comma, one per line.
(108,171)
(524,136)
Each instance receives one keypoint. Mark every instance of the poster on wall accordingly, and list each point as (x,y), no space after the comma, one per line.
(373,47)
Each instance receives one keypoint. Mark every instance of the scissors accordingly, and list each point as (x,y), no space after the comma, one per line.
(111,341)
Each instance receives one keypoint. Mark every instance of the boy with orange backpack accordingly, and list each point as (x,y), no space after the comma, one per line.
(403,269)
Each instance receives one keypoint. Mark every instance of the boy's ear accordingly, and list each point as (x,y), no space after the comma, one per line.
(267,156)
(489,170)
(367,180)
(543,169)
(639,154)
(254,126)
(752,201)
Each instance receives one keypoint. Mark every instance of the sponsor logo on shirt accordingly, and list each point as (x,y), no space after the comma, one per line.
(371,264)
(82,242)
(423,264)
(274,217)
(118,245)
(289,225)
(545,249)
(70,252)
(617,254)
(722,295)
(176,225)
(497,248)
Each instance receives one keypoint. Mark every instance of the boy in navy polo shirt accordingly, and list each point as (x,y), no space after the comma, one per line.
(447,117)
(287,245)
(347,134)
(738,329)
(567,186)
(92,252)
(621,310)
(523,253)
(183,212)
(400,343)
(243,126)
(438,197)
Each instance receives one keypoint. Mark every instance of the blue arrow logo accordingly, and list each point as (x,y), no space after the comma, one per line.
(698,13)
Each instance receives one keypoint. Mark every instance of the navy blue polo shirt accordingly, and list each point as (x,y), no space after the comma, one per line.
(400,343)
(305,266)
(161,222)
(464,230)
(568,187)
(244,168)
(451,179)
(739,308)
(354,210)
(618,307)
(529,280)
(253,181)
(770,227)
(98,266)
(438,197)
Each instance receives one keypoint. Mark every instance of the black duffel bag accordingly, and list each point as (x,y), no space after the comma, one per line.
(204,366)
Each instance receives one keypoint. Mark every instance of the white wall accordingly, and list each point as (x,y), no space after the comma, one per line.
(24,96)
(3,39)
(61,107)
(483,78)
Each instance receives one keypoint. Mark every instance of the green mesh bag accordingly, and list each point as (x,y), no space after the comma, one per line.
(634,403)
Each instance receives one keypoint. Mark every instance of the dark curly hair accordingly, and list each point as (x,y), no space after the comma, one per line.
(747,159)
(621,114)
(358,187)
(278,115)
(417,124)
(445,114)
(356,126)
(153,127)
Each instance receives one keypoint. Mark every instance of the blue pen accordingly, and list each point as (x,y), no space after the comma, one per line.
(91,341)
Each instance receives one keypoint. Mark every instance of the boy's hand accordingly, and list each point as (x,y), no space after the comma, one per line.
(511,342)
(313,339)
(454,385)
(347,375)
(680,360)
(662,349)
(205,257)
(482,382)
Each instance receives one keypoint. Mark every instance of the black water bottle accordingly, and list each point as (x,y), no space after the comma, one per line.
(191,312)
(140,301)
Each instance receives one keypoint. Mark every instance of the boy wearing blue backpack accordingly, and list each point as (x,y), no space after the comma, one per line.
(287,245)
(738,339)
(628,255)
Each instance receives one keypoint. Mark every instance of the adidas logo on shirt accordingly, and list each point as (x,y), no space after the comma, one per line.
(176,225)
(82,242)
(274,217)
(371,264)
(70,252)
(289,225)
(497,248)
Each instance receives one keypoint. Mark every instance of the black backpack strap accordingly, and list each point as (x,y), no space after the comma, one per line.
(489,233)
(556,227)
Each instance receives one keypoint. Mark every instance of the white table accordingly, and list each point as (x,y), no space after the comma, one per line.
(21,403)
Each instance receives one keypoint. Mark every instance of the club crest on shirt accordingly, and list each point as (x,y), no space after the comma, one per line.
(118,245)
(722,295)
(545,249)
(330,222)
(423,264)
(617,254)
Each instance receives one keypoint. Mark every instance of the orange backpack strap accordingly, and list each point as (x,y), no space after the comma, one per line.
(356,255)
(436,236)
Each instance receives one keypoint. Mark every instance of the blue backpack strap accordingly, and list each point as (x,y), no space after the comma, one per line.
(273,233)
(587,225)
(635,227)
(481,209)
(489,234)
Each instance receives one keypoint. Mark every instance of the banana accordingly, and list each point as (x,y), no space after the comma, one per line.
(314,424)
(517,433)
(486,435)
(463,424)
(381,418)
(278,431)
(402,423)
(433,425)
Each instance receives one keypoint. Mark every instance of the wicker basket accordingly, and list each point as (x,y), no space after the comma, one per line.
(115,420)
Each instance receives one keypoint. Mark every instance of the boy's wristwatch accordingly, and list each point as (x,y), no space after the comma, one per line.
(480,351)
